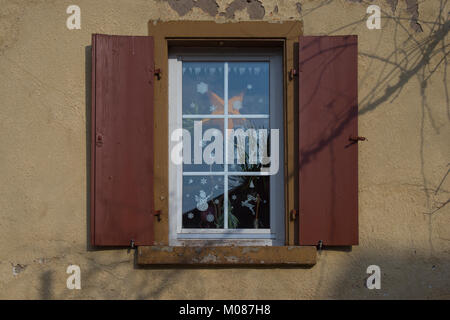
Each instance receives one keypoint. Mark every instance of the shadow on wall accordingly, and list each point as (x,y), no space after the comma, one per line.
(402,272)
(409,60)
(88,90)
(46,285)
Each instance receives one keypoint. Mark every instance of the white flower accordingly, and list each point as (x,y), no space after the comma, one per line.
(233,197)
(249,87)
(210,217)
(190,215)
(202,88)
(203,181)
(237,105)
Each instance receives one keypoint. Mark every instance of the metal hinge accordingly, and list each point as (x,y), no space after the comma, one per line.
(158,73)
(294,214)
(158,214)
(132,244)
(320,245)
(293,73)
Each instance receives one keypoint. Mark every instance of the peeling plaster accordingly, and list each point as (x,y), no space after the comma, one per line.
(413,10)
(298,5)
(255,9)
(182,7)
(393,4)
(209,6)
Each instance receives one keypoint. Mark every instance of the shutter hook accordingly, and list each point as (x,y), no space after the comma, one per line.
(357,138)
(132,244)
(293,73)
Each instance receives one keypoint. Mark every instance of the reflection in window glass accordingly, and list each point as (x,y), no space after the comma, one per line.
(206,87)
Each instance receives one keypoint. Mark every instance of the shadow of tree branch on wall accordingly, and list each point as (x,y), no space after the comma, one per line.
(418,57)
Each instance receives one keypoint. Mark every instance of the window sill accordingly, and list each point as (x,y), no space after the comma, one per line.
(287,256)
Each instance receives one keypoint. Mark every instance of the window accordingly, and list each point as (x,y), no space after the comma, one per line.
(221,190)
(139,196)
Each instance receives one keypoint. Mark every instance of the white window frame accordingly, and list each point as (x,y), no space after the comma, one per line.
(189,236)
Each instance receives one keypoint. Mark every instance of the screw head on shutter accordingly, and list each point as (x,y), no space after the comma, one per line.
(99,140)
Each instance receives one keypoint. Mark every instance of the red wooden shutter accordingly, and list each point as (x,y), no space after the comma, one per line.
(122,140)
(328,160)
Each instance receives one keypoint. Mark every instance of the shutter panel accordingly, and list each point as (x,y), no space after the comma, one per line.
(122,140)
(328,161)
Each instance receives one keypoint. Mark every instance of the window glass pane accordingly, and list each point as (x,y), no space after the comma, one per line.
(203,201)
(209,143)
(248,87)
(245,141)
(249,202)
(203,87)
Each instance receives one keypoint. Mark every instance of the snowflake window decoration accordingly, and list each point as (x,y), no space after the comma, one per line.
(203,181)
(202,88)
(202,201)
(237,105)
(190,215)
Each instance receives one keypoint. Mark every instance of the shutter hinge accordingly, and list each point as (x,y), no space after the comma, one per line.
(319,245)
(158,214)
(293,73)
(158,73)
(132,244)
(294,214)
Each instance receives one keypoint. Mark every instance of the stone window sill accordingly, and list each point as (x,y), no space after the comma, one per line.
(287,256)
